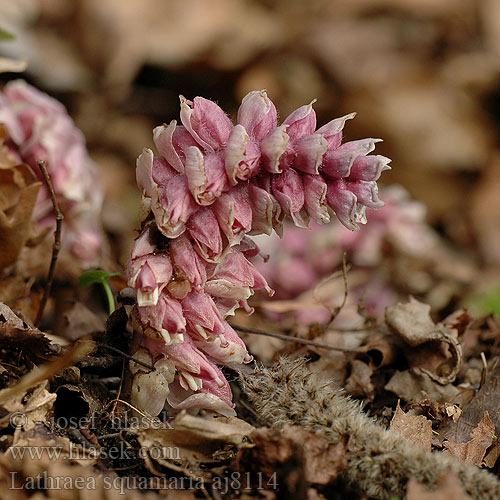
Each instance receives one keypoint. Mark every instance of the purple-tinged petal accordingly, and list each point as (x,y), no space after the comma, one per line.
(273,148)
(204,229)
(266,211)
(163,321)
(337,163)
(206,122)
(310,151)
(367,193)
(172,142)
(202,315)
(315,189)
(144,173)
(234,215)
(206,175)
(257,114)
(345,205)
(288,189)
(187,263)
(332,131)
(236,279)
(149,274)
(227,349)
(142,245)
(301,122)
(187,358)
(176,205)
(162,172)
(211,397)
(242,156)
(369,168)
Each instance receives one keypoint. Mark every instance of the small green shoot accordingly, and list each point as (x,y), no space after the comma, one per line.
(486,303)
(102,277)
(5,35)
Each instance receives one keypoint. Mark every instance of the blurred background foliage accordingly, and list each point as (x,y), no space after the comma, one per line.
(421,74)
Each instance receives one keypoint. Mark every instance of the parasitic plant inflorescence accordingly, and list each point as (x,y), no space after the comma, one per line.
(211,186)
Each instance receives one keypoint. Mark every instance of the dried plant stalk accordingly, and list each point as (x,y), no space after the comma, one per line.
(379,462)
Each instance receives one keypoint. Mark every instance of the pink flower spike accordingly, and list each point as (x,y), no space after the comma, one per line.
(332,131)
(301,122)
(288,189)
(345,205)
(234,215)
(257,114)
(204,229)
(369,168)
(315,189)
(206,122)
(273,147)
(206,175)
(310,151)
(187,263)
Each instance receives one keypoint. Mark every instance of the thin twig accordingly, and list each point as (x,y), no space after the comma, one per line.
(337,310)
(57,242)
(119,393)
(125,355)
(484,371)
(289,338)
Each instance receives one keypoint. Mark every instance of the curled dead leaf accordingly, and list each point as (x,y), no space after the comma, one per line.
(412,322)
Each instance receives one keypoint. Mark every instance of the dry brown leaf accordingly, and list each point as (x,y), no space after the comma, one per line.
(17,335)
(416,429)
(80,321)
(18,193)
(417,387)
(39,374)
(26,409)
(413,323)
(188,441)
(473,451)
(448,487)
(486,399)
(359,382)
(319,462)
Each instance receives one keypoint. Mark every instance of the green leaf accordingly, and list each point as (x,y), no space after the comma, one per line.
(95,276)
(5,35)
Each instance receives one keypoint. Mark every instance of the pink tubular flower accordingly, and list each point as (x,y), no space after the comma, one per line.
(40,128)
(212,185)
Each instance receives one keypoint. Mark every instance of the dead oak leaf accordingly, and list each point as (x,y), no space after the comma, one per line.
(189,441)
(473,451)
(413,324)
(416,429)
